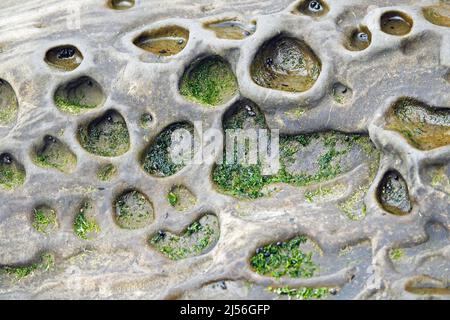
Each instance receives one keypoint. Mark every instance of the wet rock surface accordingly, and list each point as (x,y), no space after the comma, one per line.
(358,89)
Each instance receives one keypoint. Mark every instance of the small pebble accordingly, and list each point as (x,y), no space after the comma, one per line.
(161,233)
(333,291)
(361,36)
(66,53)
(6,159)
(315,6)
(50,139)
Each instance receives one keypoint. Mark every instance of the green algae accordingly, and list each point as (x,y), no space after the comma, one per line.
(44,219)
(209,81)
(156,159)
(133,210)
(53,153)
(106,136)
(46,263)
(106,172)
(84,225)
(12,173)
(198,238)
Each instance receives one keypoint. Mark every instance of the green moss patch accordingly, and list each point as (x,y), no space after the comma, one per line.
(133,210)
(181,198)
(300,166)
(305,159)
(84,225)
(52,153)
(106,136)
(396,254)
(285,259)
(106,172)
(200,237)
(157,159)
(44,219)
(209,81)
(46,263)
(12,173)
(8,103)
(79,95)
(301,293)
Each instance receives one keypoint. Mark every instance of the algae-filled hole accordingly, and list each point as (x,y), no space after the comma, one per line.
(341,93)
(393,194)
(423,126)
(287,64)
(209,81)
(358,39)
(181,198)
(8,104)
(165,41)
(53,153)
(438,14)
(158,158)
(231,29)
(65,57)
(396,23)
(85,225)
(12,173)
(44,219)
(79,95)
(293,258)
(106,135)
(133,210)
(313,8)
(120,4)
(198,238)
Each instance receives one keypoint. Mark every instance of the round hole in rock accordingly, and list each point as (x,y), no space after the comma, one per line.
(52,153)
(209,81)
(106,172)
(65,57)
(198,238)
(85,225)
(133,210)
(396,23)
(341,93)
(287,64)
(106,136)
(12,173)
(358,39)
(438,14)
(157,159)
(424,127)
(165,41)
(79,95)
(393,194)
(146,120)
(313,8)
(181,198)
(120,4)
(9,105)
(231,29)
(44,219)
